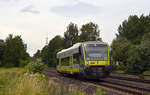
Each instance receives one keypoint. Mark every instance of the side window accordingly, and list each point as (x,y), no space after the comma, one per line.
(65,61)
(57,61)
(76,58)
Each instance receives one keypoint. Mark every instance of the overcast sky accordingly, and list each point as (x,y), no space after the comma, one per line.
(34,19)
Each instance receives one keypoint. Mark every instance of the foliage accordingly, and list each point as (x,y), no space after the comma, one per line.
(100,92)
(119,48)
(45,55)
(71,35)
(23,63)
(2,45)
(131,47)
(147,72)
(89,32)
(113,66)
(8,79)
(49,52)
(36,67)
(16,81)
(134,28)
(13,50)
(37,54)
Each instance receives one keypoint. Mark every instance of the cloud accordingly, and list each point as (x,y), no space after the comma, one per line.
(8,0)
(5,0)
(78,9)
(30,9)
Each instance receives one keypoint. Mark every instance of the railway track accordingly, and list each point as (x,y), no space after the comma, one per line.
(130,86)
(123,86)
(131,79)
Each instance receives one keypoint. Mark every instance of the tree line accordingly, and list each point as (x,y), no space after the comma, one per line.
(13,52)
(131,47)
(88,32)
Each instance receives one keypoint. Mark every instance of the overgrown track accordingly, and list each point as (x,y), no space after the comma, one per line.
(126,85)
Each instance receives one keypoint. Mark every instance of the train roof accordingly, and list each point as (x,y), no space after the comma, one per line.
(74,49)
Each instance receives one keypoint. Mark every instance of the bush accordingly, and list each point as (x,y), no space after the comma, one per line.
(147,72)
(23,63)
(7,65)
(113,66)
(141,76)
(36,67)
(138,60)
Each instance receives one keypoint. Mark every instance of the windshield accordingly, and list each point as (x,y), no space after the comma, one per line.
(96,52)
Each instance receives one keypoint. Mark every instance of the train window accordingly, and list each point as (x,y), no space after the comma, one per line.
(76,58)
(57,61)
(65,61)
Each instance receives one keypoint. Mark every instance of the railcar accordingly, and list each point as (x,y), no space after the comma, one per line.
(89,59)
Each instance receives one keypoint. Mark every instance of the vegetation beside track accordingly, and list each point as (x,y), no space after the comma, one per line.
(19,81)
(130,48)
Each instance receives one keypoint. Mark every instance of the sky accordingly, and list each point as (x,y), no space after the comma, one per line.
(34,20)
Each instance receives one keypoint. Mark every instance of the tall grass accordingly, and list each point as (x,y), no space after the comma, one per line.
(16,81)
(30,85)
(8,78)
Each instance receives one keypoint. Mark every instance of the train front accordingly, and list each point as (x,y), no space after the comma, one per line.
(96,59)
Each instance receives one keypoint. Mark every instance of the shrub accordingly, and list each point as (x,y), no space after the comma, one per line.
(113,66)
(99,91)
(8,65)
(16,81)
(36,67)
(23,63)
(147,72)
(141,76)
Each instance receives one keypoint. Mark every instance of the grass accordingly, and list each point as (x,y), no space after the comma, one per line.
(147,73)
(8,78)
(119,71)
(122,72)
(16,81)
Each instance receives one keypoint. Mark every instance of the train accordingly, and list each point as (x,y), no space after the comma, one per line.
(90,59)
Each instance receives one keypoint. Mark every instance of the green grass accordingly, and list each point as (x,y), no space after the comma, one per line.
(147,73)
(16,81)
(119,71)
(8,79)
(122,72)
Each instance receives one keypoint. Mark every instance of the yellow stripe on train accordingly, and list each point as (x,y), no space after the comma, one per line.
(97,63)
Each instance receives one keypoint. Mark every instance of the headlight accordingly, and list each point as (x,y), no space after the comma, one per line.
(87,63)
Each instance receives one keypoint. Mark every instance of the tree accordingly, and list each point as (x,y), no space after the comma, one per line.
(1,48)
(49,52)
(119,48)
(44,54)
(37,54)
(131,47)
(71,35)
(90,32)
(134,28)
(14,52)
(2,45)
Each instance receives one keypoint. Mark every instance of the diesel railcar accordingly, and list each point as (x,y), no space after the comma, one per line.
(89,59)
